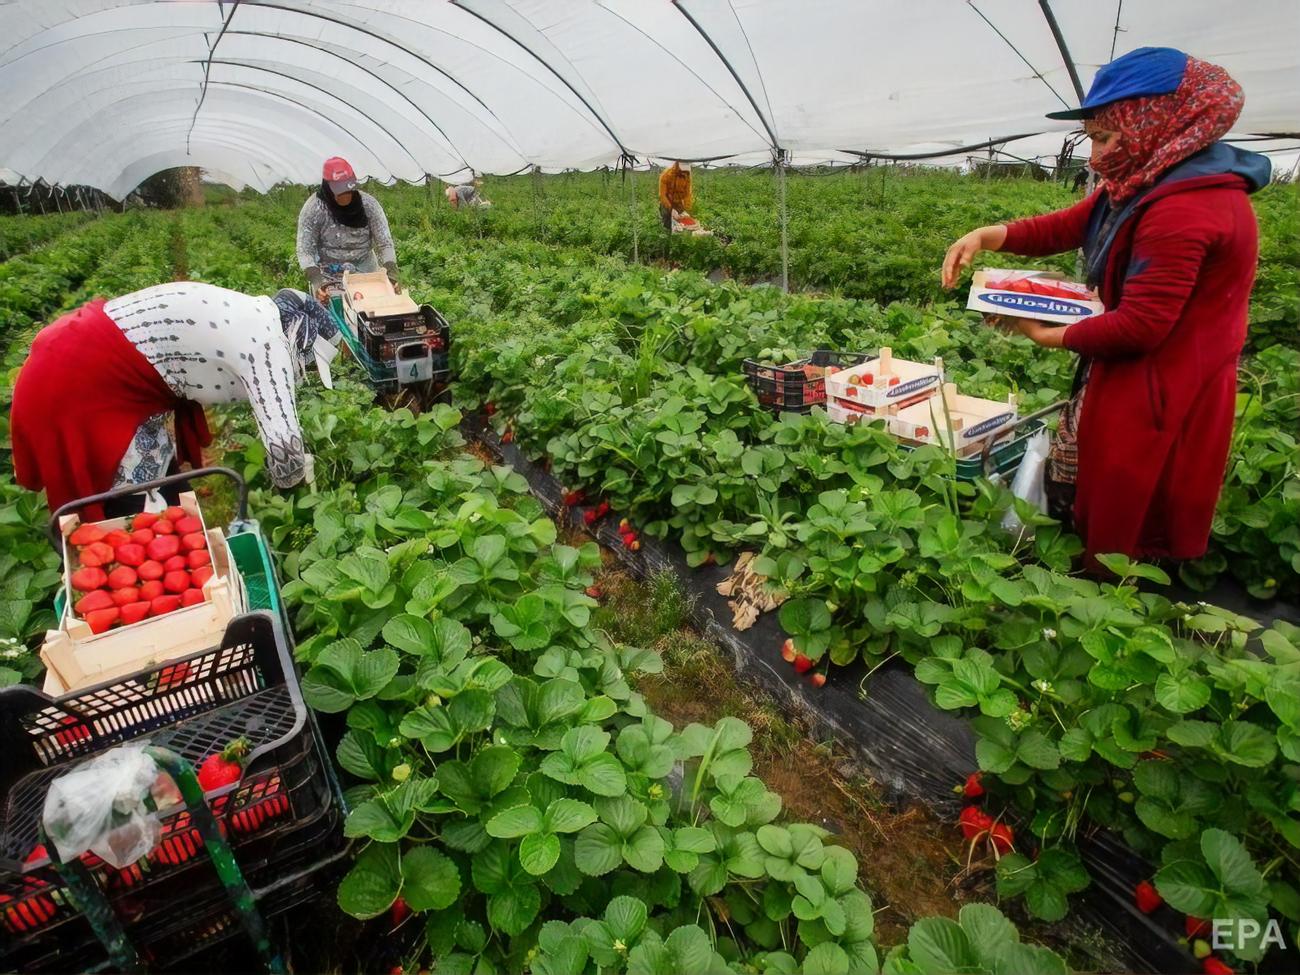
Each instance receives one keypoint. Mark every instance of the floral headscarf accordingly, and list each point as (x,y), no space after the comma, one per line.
(1158,131)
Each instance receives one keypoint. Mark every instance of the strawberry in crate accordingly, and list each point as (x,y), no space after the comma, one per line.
(123,576)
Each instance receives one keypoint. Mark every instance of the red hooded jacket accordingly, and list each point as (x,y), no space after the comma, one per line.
(1156,424)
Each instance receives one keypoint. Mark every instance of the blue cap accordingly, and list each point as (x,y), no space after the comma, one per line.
(1146,71)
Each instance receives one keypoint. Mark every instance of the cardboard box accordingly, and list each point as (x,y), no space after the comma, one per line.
(371,292)
(78,658)
(884,385)
(1043,295)
(964,426)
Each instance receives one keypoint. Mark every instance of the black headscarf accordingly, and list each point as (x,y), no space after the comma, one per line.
(352,215)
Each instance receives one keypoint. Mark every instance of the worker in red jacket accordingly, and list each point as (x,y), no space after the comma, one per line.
(1170,242)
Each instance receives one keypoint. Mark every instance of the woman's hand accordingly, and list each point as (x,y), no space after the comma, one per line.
(1048,336)
(961,253)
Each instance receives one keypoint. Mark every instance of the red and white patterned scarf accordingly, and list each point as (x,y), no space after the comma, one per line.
(1158,131)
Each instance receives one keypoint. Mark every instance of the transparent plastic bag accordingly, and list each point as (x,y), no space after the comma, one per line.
(1028,482)
(106,806)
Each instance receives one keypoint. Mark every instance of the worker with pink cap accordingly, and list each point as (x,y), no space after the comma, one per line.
(342,228)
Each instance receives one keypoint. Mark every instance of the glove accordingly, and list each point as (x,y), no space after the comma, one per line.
(391,268)
(315,279)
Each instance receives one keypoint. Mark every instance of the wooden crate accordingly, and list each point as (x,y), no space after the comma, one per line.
(1043,295)
(77,658)
(869,388)
(972,421)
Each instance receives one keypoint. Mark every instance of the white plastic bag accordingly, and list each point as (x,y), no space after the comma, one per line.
(101,806)
(1028,482)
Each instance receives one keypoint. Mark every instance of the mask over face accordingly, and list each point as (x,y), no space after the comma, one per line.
(309,331)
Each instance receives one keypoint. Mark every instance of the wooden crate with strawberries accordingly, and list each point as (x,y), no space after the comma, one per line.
(140,590)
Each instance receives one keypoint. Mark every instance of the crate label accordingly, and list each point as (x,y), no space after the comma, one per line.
(987,426)
(911,386)
(1036,303)
(416,370)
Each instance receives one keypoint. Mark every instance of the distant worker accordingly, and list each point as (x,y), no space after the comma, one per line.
(1169,238)
(467,194)
(675,195)
(341,228)
(113,393)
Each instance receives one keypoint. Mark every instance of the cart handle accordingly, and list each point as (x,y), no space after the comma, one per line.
(126,490)
(990,441)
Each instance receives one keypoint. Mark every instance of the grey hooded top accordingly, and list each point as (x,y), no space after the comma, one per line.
(322,240)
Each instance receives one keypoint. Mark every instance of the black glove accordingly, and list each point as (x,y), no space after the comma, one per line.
(391,268)
(315,279)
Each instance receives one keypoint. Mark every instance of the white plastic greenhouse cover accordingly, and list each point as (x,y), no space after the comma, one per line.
(106,92)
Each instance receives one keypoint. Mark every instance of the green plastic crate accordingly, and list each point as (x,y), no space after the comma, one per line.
(253,561)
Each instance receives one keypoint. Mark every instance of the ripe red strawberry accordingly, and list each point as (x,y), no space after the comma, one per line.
(144,519)
(126,595)
(489,408)
(177,581)
(91,601)
(624,526)
(595,592)
(1146,897)
(87,535)
(818,679)
(589,517)
(223,768)
(88,580)
(1196,927)
(602,509)
(200,576)
(164,605)
(802,663)
(974,822)
(99,620)
(1003,837)
(176,563)
(142,536)
(574,497)
(121,577)
(163,527)
(151,590)
(175,513)
(1212,966)
(96,555)
(116,537)
(134,612)
(163,547)
(189,525)
(508,436)
(132,553)
(150,570)
(894,380)
(974,787)
(193,542)
(399,912)
(192,597)
(788,652)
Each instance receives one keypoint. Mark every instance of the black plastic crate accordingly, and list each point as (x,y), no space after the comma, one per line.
(195,706)
(383,335)
(798,386)
(301,865)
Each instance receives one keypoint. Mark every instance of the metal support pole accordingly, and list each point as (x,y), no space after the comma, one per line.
(631,207)
(1060,46)
(780,159)
(57,204)
(39,202)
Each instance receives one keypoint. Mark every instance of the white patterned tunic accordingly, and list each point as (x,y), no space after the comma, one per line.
(212,346)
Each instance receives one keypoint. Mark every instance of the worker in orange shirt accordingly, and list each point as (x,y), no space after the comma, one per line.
(674,192)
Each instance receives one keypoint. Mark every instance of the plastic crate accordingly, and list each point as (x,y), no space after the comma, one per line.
(382,336)
(300,866)
(382,377)
(253,560)
(246,687)
(797,387)
(1003,457)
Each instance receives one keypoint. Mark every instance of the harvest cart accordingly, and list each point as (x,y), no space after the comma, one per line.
(415,377)
(279,826)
